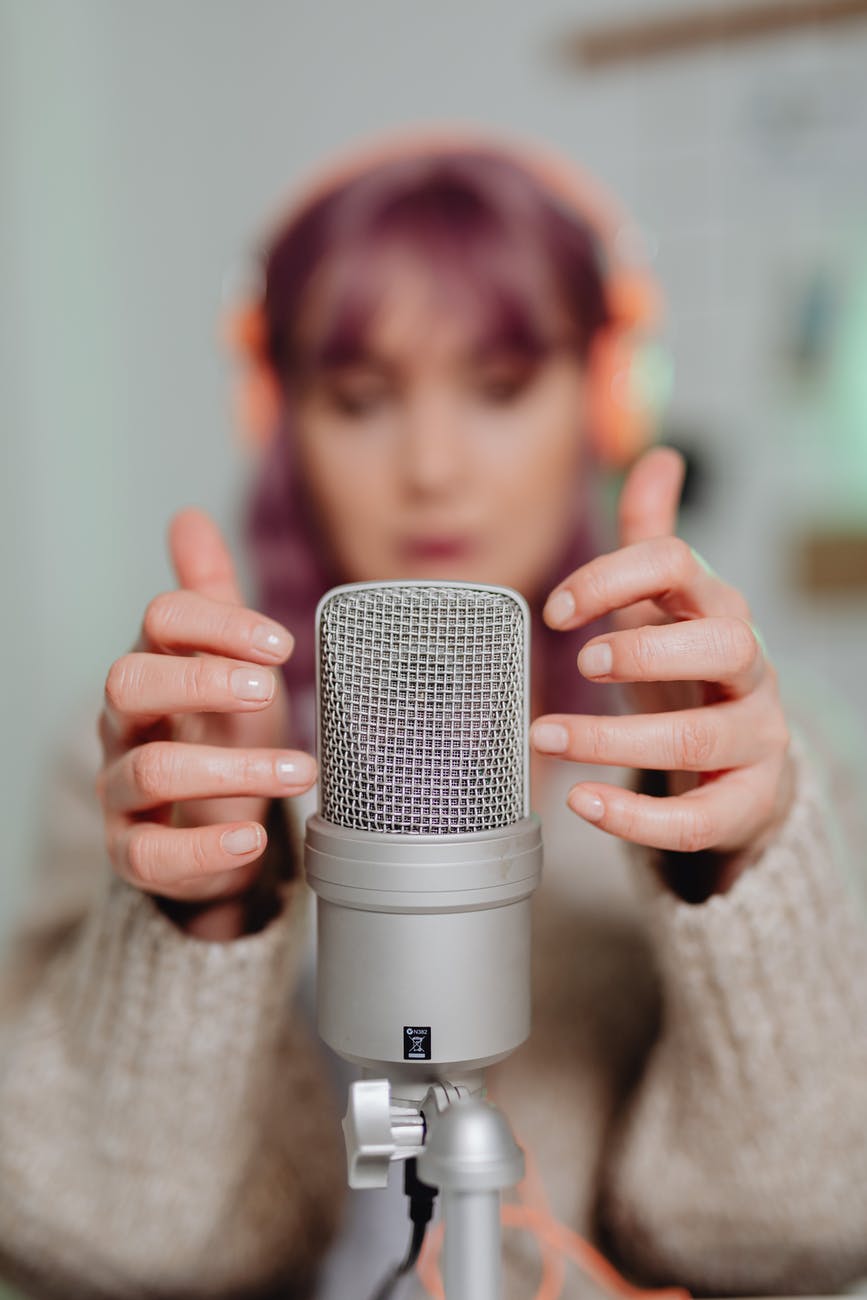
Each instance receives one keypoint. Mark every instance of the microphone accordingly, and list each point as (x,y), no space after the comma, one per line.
(423,853)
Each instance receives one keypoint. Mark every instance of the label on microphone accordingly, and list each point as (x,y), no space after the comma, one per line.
(416,1042)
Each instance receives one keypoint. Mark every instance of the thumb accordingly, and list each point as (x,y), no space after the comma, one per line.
(200,557)
(650,496)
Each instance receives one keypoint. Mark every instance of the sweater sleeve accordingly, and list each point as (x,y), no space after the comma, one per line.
(741,1163)
(166,1125)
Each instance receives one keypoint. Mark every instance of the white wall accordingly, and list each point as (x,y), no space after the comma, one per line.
(140,148)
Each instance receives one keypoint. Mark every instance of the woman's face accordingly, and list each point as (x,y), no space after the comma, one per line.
(427,458)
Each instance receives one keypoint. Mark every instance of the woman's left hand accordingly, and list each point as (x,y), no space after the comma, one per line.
(685,643)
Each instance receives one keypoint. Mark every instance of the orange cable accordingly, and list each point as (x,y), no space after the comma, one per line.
(587,1257)
(531,1190)
(556,1243)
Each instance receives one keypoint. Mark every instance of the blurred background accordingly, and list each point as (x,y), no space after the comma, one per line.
(143,147)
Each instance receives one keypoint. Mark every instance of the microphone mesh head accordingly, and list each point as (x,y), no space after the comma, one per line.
(422,707)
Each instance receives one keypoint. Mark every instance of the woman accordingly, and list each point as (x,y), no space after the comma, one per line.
(432,364)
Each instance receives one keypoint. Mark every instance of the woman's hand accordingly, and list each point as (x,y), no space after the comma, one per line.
(191,728)
(710,711)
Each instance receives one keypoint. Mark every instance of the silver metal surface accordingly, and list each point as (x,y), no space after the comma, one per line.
(423,707)
(471,1155)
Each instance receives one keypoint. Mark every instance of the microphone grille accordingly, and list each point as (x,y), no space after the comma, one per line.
(423,707)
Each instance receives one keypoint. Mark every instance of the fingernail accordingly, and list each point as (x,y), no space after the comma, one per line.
(271,639)
(549,738)
(243,840)
(595,660)
(299,770)
(587,804)
(247,685)
(559,608)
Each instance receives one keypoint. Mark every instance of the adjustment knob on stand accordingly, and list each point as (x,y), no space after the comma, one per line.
(376,1133)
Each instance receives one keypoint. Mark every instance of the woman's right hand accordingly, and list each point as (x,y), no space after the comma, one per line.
(191,731)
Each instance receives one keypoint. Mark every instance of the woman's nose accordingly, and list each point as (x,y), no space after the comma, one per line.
(431,452)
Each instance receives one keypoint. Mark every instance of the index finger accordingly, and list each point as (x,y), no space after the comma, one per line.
(664,569)
(186,620)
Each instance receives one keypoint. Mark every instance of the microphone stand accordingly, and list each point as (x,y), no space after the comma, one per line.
(464,1148)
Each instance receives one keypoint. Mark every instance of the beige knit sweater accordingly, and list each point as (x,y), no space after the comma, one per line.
(695,1086)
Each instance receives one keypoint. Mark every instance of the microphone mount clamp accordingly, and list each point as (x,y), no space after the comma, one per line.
(464,1148)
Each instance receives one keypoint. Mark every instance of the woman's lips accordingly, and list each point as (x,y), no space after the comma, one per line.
(437,548)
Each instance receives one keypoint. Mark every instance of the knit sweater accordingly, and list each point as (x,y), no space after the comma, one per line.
(694,1090)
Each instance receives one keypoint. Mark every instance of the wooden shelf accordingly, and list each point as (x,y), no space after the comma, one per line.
(680,33)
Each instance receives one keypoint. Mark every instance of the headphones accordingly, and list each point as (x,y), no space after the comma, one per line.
(629,371)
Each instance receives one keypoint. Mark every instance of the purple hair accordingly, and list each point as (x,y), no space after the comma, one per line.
(530,271)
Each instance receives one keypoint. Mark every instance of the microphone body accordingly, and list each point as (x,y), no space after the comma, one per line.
(424,968)
(423,854)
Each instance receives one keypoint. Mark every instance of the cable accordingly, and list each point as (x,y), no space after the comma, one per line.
(421,1203)
(549,1232)
(554,1239)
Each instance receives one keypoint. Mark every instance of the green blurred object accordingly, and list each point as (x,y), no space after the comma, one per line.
(848,397)
(651,377)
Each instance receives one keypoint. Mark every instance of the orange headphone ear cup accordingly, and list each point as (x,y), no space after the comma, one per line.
(257,407)
(257,399)
(620,426)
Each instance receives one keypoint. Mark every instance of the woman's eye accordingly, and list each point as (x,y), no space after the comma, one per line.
(356,401)
(505,385)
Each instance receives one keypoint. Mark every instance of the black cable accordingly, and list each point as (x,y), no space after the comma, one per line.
(421,1204)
